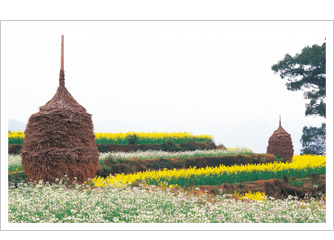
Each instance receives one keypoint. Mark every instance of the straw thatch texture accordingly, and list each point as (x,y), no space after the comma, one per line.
(59,140)
(280,144)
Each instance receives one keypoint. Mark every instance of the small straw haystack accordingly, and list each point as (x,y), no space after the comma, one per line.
(280,143)
(59,139)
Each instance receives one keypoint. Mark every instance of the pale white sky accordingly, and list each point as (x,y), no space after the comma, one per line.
(201,77)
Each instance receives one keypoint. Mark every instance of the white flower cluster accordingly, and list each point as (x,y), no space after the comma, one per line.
(53,203)
(151,154)
(14,161)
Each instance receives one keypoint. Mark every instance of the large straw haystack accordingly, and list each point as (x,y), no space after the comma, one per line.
(280,144)
(59,139)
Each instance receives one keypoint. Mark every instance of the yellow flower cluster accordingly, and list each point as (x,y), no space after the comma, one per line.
(165,184)
(257,196)
(121,136)
(150,136)
(17,134)
(298,163)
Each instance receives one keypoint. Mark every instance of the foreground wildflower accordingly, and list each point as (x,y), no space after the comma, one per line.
(28,203)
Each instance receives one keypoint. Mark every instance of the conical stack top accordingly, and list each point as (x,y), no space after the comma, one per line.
(62,99)
(280,129)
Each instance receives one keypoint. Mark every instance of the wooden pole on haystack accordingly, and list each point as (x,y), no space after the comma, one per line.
(62,53)
(62,72)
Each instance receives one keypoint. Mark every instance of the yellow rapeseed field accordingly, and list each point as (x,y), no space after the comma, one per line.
(123,137)
(17,134)
(300,166)
(150,137)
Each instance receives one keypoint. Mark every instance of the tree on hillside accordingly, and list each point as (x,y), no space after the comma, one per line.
(306,71)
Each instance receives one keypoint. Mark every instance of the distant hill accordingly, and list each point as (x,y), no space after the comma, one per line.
(14,125)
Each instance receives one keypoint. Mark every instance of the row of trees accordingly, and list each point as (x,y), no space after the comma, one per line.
(306,72)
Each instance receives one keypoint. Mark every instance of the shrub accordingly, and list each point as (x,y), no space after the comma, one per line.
(132,138)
